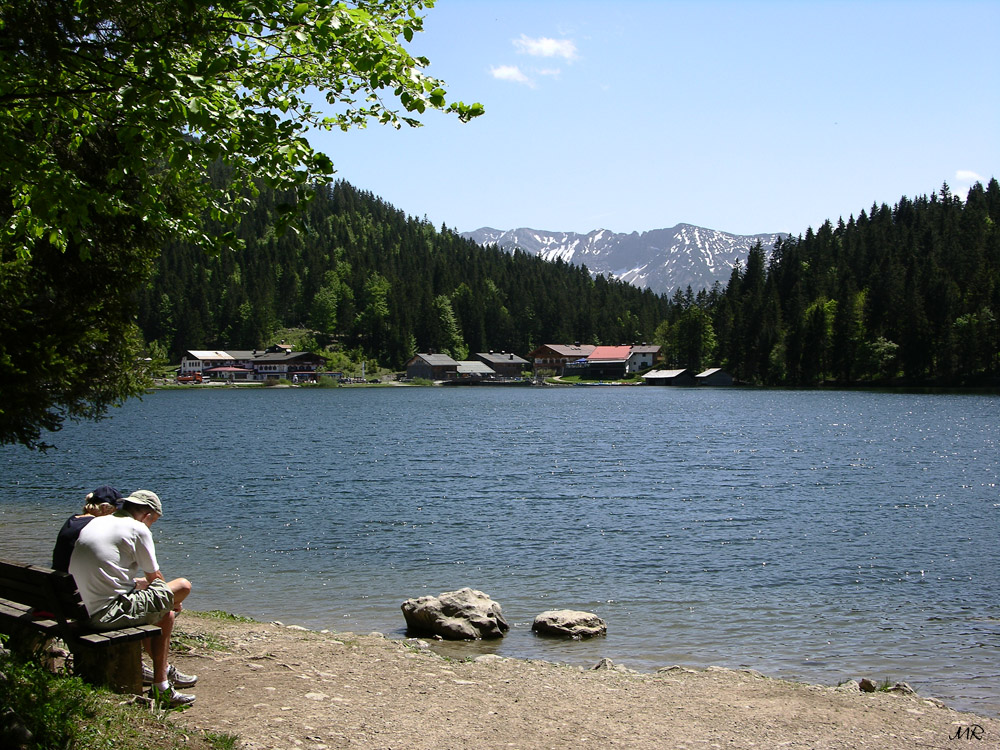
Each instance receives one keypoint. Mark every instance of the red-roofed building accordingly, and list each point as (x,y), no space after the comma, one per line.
(608,361)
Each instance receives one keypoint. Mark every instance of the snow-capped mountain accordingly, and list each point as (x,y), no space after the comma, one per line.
(661,259)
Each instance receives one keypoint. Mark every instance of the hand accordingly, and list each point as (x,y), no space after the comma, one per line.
(141,584)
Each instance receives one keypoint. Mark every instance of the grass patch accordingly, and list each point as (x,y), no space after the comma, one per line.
(184,641)
(181,641)
(222,740)
(218,614)
(44,710)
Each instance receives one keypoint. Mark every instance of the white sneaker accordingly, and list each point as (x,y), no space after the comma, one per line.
(170,697)
(176,677)
(179,679)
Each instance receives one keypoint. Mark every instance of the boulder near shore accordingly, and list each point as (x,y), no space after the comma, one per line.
(282,686)
(466,614)
(569,623)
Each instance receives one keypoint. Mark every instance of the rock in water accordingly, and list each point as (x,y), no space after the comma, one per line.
(465,614)
(569,623)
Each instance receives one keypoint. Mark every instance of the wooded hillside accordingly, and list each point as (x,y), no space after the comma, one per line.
(903,294)
(366,276)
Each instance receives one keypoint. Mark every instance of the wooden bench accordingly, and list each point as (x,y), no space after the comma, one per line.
(37,604)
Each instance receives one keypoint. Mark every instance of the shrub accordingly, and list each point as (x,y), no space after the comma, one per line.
(64,712)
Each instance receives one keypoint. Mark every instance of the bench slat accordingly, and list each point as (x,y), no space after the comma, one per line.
(14,609)
(26,621)
(42,588)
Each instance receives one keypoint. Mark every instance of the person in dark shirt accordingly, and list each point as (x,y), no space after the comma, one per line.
(100,502)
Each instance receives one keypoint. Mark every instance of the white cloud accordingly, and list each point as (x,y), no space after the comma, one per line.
(965,178)
(545,47)
(510,73)
(966,175)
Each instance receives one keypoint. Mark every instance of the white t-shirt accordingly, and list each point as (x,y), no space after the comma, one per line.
(111,552)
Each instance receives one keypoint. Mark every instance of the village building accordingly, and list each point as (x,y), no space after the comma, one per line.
(555,356)
(431,367)
(474,370)
(642,357)
(279,362)
(608,362)
(505,364)
(287,365)
(196,361)
(714,377)
(669,377)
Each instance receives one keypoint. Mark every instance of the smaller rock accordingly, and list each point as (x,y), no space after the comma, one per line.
(901,688)
(851,686)
(867,686)
(569,623)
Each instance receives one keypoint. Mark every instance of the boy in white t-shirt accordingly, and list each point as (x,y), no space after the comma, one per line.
(114,566)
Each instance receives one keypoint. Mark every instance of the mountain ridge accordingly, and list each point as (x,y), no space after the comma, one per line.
(661,260)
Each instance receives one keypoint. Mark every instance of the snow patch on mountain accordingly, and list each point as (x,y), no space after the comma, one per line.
(660,259)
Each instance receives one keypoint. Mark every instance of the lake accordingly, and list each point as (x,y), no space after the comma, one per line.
(811,535)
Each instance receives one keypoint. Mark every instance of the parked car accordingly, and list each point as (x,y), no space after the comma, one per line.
(191,378)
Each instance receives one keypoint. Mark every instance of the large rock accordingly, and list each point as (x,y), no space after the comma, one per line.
(569,623)
(460,615)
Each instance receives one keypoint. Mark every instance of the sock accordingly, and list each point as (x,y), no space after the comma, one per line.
(165,685)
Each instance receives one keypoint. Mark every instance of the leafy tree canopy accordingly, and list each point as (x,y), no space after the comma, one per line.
(111,112)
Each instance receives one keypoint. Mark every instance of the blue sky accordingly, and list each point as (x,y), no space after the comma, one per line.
(744,117)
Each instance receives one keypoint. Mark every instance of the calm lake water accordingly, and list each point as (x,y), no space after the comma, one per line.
(810,535)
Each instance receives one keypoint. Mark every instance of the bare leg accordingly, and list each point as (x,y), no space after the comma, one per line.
(159,645)
(181,588)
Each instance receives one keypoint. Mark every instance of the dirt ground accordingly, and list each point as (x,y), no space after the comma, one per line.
(277,686)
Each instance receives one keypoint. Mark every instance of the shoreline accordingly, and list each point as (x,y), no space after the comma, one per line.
(276,685)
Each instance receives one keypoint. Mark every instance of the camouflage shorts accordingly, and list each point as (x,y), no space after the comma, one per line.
(145,607)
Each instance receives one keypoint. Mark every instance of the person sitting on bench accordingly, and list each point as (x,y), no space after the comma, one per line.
(101,502)
(114,566)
